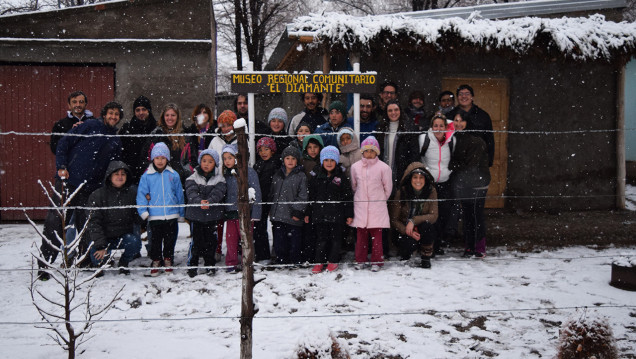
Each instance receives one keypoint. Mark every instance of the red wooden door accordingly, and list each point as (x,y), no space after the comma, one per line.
(32,99)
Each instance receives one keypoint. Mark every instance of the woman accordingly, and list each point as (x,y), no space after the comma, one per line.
(413,213)
(201,116)
(470,180)
(435,152)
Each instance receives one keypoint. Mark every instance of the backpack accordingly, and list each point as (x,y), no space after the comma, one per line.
(427,142)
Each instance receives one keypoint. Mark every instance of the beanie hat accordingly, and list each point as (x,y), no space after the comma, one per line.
(160,149)
(226,117)
(370,143)
(340,107)
(266,142)
(301,124)
(142,101)
(329,153)
(344,130)
(291,151)
(278,113)
(313,138)
(231,149)
(212,153)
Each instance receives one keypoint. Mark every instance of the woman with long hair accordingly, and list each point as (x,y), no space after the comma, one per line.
(203,123)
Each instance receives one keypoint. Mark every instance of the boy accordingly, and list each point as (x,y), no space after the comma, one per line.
(266,165)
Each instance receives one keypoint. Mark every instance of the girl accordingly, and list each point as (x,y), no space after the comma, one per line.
(302,130)
(349,149)
(414,213)
(331,187)
(277,121)
(207,187)
(232,234)
(470,180)
(312,145)
(161,186)
(267,163)
(371,181)
(288,185)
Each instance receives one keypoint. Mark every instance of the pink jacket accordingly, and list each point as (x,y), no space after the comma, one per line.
(372,182)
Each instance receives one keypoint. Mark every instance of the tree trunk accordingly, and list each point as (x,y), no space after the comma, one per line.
(245,223)
(238,16)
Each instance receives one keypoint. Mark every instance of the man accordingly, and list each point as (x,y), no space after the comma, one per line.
(446,103)
(329,130)
(479,120)
(368,122)
(415,111)
(241,109)
(313,114)
(142,123)
(81,159)
(76,114)
(388,92)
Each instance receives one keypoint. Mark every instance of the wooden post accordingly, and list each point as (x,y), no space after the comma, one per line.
(214,67)
(621,171)
(245,223)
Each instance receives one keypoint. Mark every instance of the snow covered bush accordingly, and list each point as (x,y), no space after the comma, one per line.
(321,347)
(588,336)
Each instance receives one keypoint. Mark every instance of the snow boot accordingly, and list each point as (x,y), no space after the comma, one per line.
(317,269)
(192,272)
(426,262)
(332,267)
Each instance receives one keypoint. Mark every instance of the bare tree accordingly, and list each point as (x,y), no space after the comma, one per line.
(57,308)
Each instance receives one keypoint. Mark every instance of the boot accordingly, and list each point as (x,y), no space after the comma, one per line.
(167,262)
(426,262)
(154,271)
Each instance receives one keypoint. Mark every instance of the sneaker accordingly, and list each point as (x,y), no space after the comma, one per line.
(332,267)
(154,271)
(210,271)
(358,266)
(317,269)
(192,272)
(43,276)
(426,262)
(124,271)
(479,255)
(375,268)
(167,262)
(468,253)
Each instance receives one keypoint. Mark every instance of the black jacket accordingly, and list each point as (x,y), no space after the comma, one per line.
(479,121)
(469,161)
(266,170)
(324,188)
(133,146)
(107,225)
(406,147)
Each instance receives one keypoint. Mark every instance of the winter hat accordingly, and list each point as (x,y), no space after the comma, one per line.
(160,149)
(226,117)
(142,101)
(344,130)
(313,138)
(266,142)
(278,113)
(212,153)
(329,153)
(301,124)
(291,151)
(340,107)
(231,149)
(370,143)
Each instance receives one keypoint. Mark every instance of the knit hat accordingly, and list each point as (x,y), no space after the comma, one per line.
(329,153)
(370,143)
(266,142)
(291,151)
(278,113)
(231,149)
(160,149)
(340,107)
(344,130)
(226,117)
(212,153)
(142,101)
(301,124)
(313,138)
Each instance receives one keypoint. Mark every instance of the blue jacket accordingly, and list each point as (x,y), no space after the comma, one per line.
(160,189)
(231,195)
(86,158)
(329,134)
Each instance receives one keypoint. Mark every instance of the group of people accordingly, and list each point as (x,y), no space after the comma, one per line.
(314,180)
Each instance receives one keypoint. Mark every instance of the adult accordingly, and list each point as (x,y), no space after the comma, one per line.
(76,114)
(329,130)
(241,110)
(470,180)
(388,91)
(480,122)
(313,114)
(445,103)
(81,160)
(203,124)
(111,227)
(413,213)
(415,110)
(368,120)
(184,152)
(435,152)
(142,123)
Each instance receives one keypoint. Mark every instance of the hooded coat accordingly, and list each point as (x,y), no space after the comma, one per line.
(402,209)
(181,160)
(109,224)
(287,188)
(198,187)
(161,190)
(371,181)
(350,154)
(334,194)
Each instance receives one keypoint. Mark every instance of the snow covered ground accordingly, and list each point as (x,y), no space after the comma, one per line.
(509,305)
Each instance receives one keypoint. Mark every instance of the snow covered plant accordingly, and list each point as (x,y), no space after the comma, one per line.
(626,261)
(68,313)
(319,345)
(588,336)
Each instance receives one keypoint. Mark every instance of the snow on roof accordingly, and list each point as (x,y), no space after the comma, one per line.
(578,37)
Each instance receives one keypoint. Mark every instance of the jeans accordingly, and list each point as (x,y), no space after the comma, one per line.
(129,242)
(287,243)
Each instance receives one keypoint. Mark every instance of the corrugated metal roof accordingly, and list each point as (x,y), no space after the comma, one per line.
(518,9)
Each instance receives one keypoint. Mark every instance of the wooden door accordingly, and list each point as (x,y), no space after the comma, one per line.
(492,95)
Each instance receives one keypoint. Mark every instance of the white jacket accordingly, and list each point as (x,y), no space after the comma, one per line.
(437,157)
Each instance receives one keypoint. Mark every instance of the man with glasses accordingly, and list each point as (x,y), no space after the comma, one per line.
(388,92)
(480,122)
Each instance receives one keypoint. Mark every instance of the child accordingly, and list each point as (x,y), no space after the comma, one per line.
(302,130)
(288,185)
(266,165)
(161,186)
(371,181)
(232,229)
(312,145)
(277,121)
(207,187)
(332,189)
(349,149)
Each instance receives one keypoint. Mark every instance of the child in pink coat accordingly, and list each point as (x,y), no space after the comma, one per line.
(372,182)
